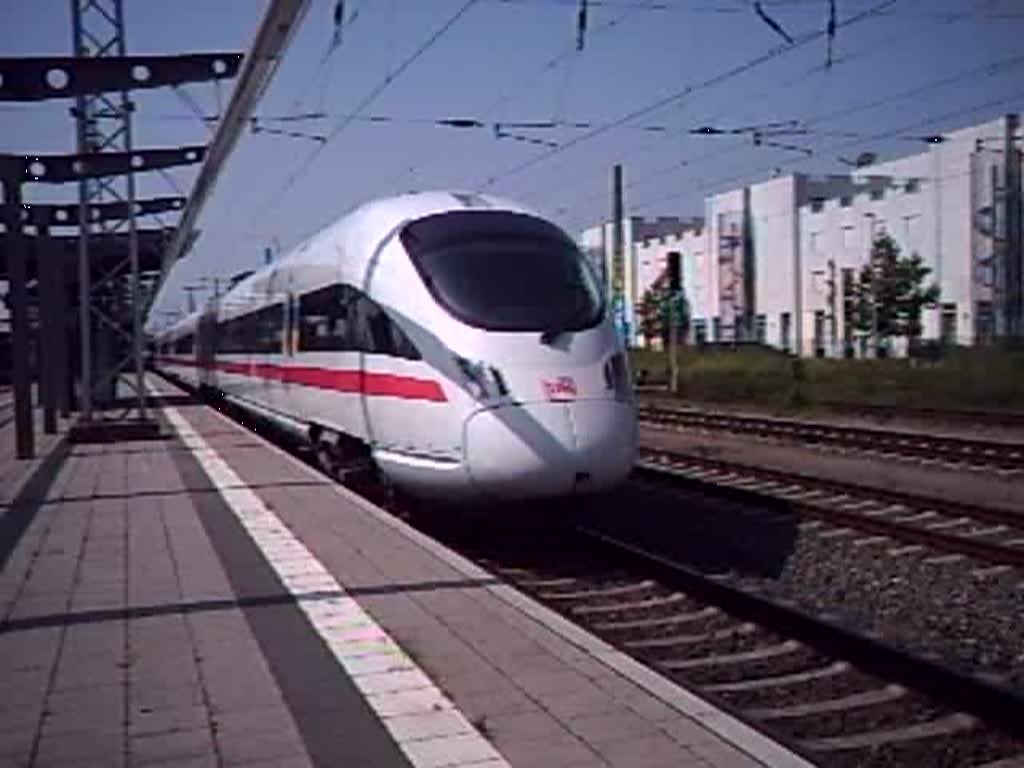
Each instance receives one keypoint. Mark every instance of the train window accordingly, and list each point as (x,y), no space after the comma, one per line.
(256,333)
(340,318)
(325,320)
(269,328)
(183,346)
(504,271)
(380,334)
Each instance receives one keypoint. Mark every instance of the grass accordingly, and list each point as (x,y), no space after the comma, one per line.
(966,378)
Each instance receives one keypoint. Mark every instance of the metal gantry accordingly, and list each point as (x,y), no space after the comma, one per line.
(118,263)
(103,123)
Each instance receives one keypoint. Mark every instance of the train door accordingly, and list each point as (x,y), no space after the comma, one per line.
(293,394)
(404,402)
(270,345)
(206,354)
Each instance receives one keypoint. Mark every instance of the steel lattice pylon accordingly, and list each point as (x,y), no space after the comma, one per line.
(115,301)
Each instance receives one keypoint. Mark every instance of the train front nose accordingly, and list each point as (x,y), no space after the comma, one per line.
(550,448)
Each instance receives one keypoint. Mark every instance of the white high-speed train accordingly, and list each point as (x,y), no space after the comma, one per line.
(457,341)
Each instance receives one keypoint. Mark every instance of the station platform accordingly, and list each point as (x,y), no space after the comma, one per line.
(206,599)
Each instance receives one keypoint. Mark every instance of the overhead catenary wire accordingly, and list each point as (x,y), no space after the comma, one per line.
(375,92)
(742,8)
(905,129)
(715,80)
(492,113)
(839,60)
(989,69)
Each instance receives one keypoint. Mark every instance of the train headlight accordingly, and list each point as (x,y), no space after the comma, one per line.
(484,382)
(617,378)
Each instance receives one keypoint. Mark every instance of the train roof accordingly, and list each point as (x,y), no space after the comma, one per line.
(376,220)
(180,327)
(372,221)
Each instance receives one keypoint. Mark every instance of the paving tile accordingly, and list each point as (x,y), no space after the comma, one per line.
(243,746)
(527,726)
(88,672)
(96,599)
(295,761)
(97,707)
(16,745)
(425,725)
(39,607)
(408,702)
(81,748)
(491,703)
(586,699)
(22,714)
(638,700)
(272,718)
(651,751)
(152,722)
(28,648)
(469,678)
(204,761)
(19,685)
(687,732)
(98,638)
(547,683)
(144,700)
(171,746)
(610,726)
(448,751)
(178,668)
(721,755)
(557,752)
(240,689)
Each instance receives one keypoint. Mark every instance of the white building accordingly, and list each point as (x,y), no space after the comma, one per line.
(690,243)
(775,260)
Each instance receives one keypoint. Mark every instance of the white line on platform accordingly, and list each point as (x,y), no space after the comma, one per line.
(421,719)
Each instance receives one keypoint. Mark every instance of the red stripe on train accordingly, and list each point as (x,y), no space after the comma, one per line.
(336,379)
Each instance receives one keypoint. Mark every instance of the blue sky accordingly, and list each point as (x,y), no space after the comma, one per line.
(514,60)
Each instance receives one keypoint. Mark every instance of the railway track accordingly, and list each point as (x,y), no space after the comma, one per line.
(990,535)
(962,416)
(840,698)
(958,451)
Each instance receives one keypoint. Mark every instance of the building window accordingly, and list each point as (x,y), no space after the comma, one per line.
(947,325)
(817,204)
(761,329)
(984,323)
(878,193)
(849,306)
(784,331)
(912,186)
(849,237)
(819,333)
(846,201)
(716,329)
(700,332)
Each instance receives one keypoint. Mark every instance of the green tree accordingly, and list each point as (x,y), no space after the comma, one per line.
(890,293)
(655,311)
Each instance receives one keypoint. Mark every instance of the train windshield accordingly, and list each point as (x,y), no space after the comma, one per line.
(504,271)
